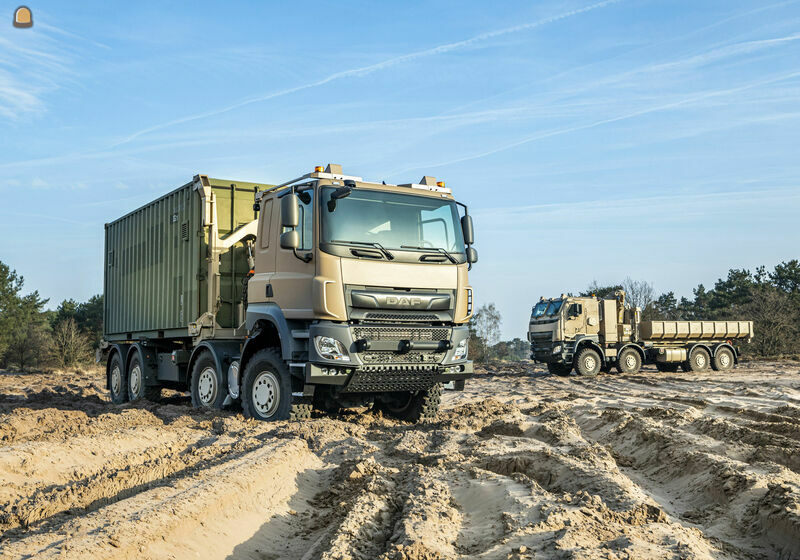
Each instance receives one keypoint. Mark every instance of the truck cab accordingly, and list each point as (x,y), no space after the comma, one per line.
(361,289)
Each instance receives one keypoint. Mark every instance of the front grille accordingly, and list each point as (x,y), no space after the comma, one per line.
(404,358)
(401,317)
(541,339)
(392,379)
(401,333)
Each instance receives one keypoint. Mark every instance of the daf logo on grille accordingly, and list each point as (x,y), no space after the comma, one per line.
(403,301)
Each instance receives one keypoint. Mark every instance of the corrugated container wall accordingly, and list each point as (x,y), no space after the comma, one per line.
(156,262)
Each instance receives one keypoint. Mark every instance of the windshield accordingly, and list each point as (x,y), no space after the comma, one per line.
(539,309)
(554,307)
(391,221)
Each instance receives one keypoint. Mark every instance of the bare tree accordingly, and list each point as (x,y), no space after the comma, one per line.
(639,293)
(70,345)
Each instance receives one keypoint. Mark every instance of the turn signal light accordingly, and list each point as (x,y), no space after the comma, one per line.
(318,169)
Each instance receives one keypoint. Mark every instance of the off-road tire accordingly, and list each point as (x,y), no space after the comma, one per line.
(723,360)
(587,362)
(147,392)
(119,396)
(667,367)
(207,385)
(629,362)
(323,402)
(699,361)
(559,369)
(424,405)
(300,411)
(277,376)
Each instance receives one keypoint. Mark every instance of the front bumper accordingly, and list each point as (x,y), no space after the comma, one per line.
(552,352)
(388,357)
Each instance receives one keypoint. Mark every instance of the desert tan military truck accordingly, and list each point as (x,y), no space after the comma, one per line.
(325,291)
(593,334)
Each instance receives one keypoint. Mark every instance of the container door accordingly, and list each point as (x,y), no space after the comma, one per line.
(293,279)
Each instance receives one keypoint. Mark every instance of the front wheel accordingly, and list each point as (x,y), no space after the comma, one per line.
(413,407)
(587,362)
(267,387)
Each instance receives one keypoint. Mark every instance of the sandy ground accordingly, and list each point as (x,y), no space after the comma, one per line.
(520,465)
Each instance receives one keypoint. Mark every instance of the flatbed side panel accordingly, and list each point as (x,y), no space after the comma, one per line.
(695,330)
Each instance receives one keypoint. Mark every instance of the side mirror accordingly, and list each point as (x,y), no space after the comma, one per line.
(290,239)
(472,255)
(469,232)
(290,212)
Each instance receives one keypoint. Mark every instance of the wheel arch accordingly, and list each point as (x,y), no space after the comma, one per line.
(267,320)
(638,348)
(591,343)
(695,346)
(223,352)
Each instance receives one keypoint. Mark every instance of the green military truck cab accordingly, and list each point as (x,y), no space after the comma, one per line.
(325,291)
(590,334)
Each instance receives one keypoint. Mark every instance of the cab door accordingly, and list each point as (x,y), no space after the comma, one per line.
(258,287)
(292,280)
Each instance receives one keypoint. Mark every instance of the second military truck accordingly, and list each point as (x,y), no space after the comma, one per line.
(325,291)
(592,334)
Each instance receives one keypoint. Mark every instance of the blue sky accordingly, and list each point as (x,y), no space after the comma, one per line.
(593,141)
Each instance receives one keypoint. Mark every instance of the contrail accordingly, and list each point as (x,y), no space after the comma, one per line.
(364,70)
(575,128)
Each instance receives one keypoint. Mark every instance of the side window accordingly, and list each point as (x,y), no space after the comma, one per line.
(266,223)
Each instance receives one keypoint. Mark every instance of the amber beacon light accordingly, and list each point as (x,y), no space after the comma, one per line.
(23,17)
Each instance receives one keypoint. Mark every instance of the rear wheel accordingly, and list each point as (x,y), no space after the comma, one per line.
(413,407)
(667,367)
(587,362)
(559,369)
(699,360)
(629,361)
(117,381)
(723,359)
(267,387)
(137,382)
(208,386)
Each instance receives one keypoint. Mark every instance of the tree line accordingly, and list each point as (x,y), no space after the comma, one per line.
(771,299)
(34,337)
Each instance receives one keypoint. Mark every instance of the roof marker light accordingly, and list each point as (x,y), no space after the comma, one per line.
(440,183)
(318,169)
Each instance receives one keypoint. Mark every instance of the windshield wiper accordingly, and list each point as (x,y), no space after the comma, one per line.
(375,244)
(432,249)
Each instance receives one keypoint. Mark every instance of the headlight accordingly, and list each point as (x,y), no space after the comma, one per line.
(331,349)
(556,349)
(461,350)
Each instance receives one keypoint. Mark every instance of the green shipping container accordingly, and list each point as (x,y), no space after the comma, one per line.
(157,261)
